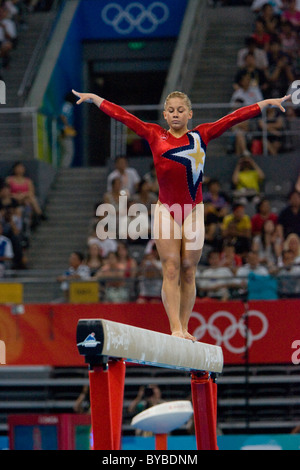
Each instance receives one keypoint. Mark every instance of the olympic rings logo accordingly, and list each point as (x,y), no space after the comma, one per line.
(135,15)
(235,326)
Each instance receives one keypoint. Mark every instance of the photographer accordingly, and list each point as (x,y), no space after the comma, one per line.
(146,398)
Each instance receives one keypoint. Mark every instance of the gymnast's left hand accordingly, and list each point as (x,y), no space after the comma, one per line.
(87,98)
(278,102)
(275,102)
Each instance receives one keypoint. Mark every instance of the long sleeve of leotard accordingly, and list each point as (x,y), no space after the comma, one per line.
(207,131)
(141,128)
(215,129)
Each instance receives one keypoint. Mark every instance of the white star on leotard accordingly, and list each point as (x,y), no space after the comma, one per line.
(192,156)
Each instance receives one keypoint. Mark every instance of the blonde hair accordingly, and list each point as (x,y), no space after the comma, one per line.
(289,238)
(179,94)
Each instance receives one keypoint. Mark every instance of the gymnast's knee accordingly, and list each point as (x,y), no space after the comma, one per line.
(171,269)
(188,271)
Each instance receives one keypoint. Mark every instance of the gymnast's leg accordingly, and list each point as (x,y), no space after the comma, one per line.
(167,234)
(192,244)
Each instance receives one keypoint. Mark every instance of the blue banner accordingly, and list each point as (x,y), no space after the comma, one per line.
(122,19)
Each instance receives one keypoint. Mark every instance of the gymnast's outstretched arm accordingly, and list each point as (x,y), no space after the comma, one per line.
(216,129)
(141,128)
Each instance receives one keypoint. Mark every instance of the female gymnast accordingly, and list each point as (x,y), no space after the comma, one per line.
(179,157)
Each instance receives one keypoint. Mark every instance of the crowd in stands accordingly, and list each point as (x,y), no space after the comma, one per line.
(19,208)
(267,66)
(127,269)
(13,19)
(245,236)
(244,255)
(251,250)
(247,242)
(20,213)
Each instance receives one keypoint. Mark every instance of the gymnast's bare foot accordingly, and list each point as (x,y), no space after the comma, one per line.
(178,334)
(187,335)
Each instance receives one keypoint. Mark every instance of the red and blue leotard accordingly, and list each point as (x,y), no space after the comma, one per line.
(179,162)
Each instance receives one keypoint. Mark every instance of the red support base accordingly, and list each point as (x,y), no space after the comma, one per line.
(204,395)
(106,396)
(161,442)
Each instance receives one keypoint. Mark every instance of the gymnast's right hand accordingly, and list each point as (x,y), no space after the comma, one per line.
(87,98)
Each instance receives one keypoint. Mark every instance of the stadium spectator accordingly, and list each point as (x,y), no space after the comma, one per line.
(261,37)
(12,229)
(150,278)
(270,18)
(258,76)
(94,258)
(151,177)
(112,277)
(229,258)
(247,92)
(129,176)
(247,178)
(213,282)
(82,403)
(291,13)
(216,206)
(268,245)
(7,200)
(103,233)
(144,195)
(112,196)
(6,252)
(77,270)
(105,246)
(215,200)
(288,276)
(8,36)
(128,262)
(22,189)
(147,199)
(236,228)
(289,39)
(260,55)
(274,126)
(146,398)
(252,266)
(263,213)
(289,217)
(16,224)
(279,72)
(292,243)
(258,5)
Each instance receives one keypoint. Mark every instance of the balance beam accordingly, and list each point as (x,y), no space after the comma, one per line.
(140,346)
(108,345)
